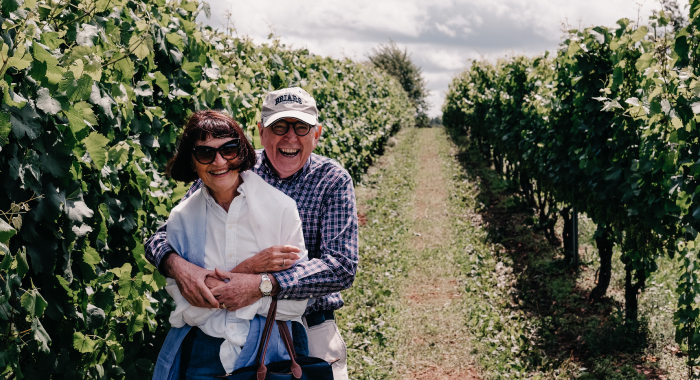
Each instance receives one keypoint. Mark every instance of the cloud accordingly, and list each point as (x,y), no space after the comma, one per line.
(441,35)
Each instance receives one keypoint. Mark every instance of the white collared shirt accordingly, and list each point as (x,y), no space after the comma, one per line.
(230,239)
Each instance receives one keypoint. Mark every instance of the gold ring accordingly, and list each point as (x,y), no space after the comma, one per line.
(284,262)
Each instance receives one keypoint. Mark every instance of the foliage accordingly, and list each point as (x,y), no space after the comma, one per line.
(94,94)
(397,63)
(609,125)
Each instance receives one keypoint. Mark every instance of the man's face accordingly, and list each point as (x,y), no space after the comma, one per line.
(288,153)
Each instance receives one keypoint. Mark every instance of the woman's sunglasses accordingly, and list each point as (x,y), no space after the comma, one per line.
(281,127)
(205,155)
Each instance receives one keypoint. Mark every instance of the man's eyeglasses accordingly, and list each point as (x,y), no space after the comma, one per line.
(281,127)
(205,155)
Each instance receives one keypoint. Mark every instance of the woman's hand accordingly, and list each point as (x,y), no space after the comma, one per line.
(273,259)
(191,280)
(239,291)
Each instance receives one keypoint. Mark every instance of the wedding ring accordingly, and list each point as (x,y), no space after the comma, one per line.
(284,262)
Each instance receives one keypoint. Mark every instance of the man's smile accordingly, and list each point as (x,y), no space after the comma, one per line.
(287,152)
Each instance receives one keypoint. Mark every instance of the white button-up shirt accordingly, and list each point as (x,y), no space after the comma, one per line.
(230,239)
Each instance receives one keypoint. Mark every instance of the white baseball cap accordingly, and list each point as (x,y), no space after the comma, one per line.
(289,102)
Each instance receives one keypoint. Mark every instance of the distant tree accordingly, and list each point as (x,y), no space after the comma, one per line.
(436,121)
(390,58)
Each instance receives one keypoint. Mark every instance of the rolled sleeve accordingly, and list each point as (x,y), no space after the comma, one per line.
(335,269)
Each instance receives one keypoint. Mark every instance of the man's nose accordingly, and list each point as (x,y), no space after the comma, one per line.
(291,135)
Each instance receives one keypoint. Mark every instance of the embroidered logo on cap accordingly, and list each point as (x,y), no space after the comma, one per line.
(288,98)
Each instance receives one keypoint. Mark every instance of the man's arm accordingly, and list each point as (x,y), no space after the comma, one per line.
(335,269)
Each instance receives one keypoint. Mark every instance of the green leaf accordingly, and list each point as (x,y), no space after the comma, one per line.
(124,67)
(6,231)
(80,116)
(140,46)
(7,259)
(78,211)
(95,144)
(46,103)
(644,61)
(5,128)
(33,303)
(117,349)
(22,265)
(176,40)
(135,324)
(574,48)
(83,343)
(40,336)
(20,60)
(54,73)
(9,6)
(639,33)
(193,70)
(91,256)
(123,272)
(51,39)
(162,82)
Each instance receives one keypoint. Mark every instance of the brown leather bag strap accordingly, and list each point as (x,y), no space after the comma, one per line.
(288,343)
(265,339)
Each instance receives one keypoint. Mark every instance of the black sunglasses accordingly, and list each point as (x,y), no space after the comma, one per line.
(281,127)
(205,155)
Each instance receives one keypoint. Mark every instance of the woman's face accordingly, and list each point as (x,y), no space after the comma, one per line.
(217,176)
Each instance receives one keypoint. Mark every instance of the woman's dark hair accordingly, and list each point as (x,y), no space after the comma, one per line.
(203,125)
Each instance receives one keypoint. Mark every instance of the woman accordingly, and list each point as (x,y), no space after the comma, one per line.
(221,226)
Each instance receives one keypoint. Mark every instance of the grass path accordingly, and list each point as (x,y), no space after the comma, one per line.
(405,315)
(433,341)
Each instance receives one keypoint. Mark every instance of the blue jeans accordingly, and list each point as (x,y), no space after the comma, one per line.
(200,353)
(200,356)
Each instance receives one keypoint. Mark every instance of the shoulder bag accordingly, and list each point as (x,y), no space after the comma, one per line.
(298,368)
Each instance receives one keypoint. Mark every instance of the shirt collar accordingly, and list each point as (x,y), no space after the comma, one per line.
(210,199)
(270,170)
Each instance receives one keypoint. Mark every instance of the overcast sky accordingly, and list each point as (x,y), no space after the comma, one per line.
(441,35)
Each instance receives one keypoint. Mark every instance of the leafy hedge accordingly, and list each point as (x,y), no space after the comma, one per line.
(94,95)
(608,125)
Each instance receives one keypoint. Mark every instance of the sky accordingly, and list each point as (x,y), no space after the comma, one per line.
(441,35)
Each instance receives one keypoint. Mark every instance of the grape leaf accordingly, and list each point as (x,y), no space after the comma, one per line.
(46,103)
(78,211)
(83,343)
(54,73)
(33,303)
(40,335)
(6,231)
(162,82)
(95,144)
(91,257)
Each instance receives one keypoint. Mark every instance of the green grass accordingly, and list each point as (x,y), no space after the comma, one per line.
(384,199)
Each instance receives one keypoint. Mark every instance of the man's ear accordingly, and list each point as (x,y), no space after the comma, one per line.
(260,129)
(317,134)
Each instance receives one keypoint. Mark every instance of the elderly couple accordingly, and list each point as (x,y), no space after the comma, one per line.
(278,222)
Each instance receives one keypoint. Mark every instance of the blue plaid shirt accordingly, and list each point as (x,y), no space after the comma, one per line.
(325,198)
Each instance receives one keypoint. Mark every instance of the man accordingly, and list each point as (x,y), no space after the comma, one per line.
(325,197)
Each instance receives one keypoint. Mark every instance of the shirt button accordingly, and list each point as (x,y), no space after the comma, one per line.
(286,296)
(230,256)
(230,226)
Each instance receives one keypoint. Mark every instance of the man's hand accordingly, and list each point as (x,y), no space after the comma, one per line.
(190,280)
(273,259)
(240,291)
